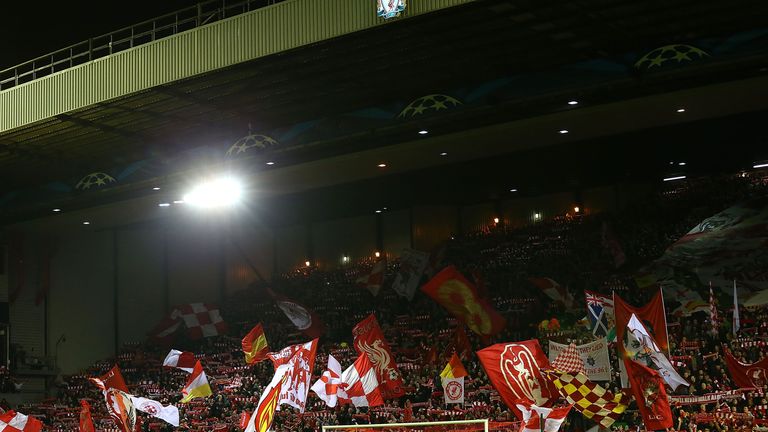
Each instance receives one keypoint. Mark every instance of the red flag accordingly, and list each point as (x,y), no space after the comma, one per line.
(370,340)
(651,396)
(113,379)
(459,296)
(255,345)
(13,421)
(301,361)
(747,375)
(373,280)
(651,315)
(360,384)
(301,316)
(86,423)
(514,369)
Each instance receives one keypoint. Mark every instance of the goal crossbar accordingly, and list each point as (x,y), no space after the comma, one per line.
(417,424)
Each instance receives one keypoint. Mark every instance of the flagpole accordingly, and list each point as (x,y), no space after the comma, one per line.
(664,311)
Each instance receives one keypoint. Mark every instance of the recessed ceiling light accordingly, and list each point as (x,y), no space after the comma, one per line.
(164,205)
(383,208)
(86,223)
(444,154)
(681,110)
(681,163)
(761,165)
(178,202)
(513,190)
(423,132)
(382,165)
(378,211)
(156,188)
(674,178)
(270,163)
(573,102)
(56,210)
(563,131)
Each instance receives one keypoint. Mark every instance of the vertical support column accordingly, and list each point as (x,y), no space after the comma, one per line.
(116,289)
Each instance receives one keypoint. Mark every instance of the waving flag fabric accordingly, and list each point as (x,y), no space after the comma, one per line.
(12,421)
(197,385)
(369,340)
(373,280)
(650,395)
(86,422)
(255,345)
(328,386)
(651,315)
(454,368)
(456,294)
(747,375)
(360,384)
(413,263)
(200,319)
(112,379)
(301,362)
(183,360)
(554,291)
(591,400)
(642,348)
(121,409)
(594,357)
(264,414)
(305,320)
(452,378)
(169,414)
(568,360)
(534,416)
(515,371)
(600,314)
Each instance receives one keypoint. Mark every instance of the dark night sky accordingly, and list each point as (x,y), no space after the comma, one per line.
(34,28)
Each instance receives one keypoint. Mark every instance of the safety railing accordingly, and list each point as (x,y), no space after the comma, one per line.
(126,38)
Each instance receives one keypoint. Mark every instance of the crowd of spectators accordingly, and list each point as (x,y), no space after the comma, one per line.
(568,249)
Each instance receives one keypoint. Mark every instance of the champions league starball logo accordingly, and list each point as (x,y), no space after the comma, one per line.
(390,8)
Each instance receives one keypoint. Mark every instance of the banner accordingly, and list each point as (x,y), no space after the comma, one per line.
(650,395)
(746,375)
(706,398)
(601,316)
(412,266)
(301,362)
(595,356)
(514,369)
(301,316)
(369,340)
(453,390)
(459,296)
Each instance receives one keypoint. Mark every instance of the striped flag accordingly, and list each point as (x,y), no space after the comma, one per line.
(183,360)
(255,345)
(197,385)
(328,387)
(360,384)
(538,419)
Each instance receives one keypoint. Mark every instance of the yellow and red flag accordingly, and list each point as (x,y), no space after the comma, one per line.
(262,418)
(197,385)
(255,345)
(460,297)
(454,368)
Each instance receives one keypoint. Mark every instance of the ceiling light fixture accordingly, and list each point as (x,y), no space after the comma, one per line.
(760,165)
(218,192)
(444,154)
(378,211)
(270,163)
(573,102)
(382,165)
(513,190)
(56,210)
(156,188)
(423,132)
(681,110)
(164,205)
(681,163)
(674,178)
(86,223)
(563,131)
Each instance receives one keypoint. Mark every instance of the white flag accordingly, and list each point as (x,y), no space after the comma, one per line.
(328,387)
(169,414)
(453,390)
(642,347)
(412,265)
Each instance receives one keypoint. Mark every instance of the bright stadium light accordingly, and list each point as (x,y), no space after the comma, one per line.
(674,178)
(219,192)
(760,165)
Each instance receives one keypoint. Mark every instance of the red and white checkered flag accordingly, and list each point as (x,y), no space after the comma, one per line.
(328,387)
(569,361)
(200,319)
(360,384)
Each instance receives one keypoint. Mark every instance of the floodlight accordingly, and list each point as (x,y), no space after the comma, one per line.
(220,192)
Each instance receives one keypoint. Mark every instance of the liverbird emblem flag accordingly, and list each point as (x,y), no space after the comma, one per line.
(369,340)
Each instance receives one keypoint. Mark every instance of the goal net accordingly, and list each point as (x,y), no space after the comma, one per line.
(438,426)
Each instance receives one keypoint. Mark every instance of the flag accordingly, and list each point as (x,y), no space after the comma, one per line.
(111,379)
(369,340)
(121,409)
(746,375)
(514,369)
(533,416)
(169,414)
(591,400)
(452,378)
(554,291)
(459,296)
(373,280)
(183,360)
(736,320)
(301,362)
(301,316)
(568,360)
(650,395)
(328,386)
(13,421)
(642,348)
(651,315)
(269,401)
(165,331)
(600,314)
(86,422)
(200,319)
(412,266)
(712,311)
(360,384)
(454,368)
(197,385)
(255,345)
(594,356)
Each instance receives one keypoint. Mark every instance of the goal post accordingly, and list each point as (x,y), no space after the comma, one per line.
(482,425)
